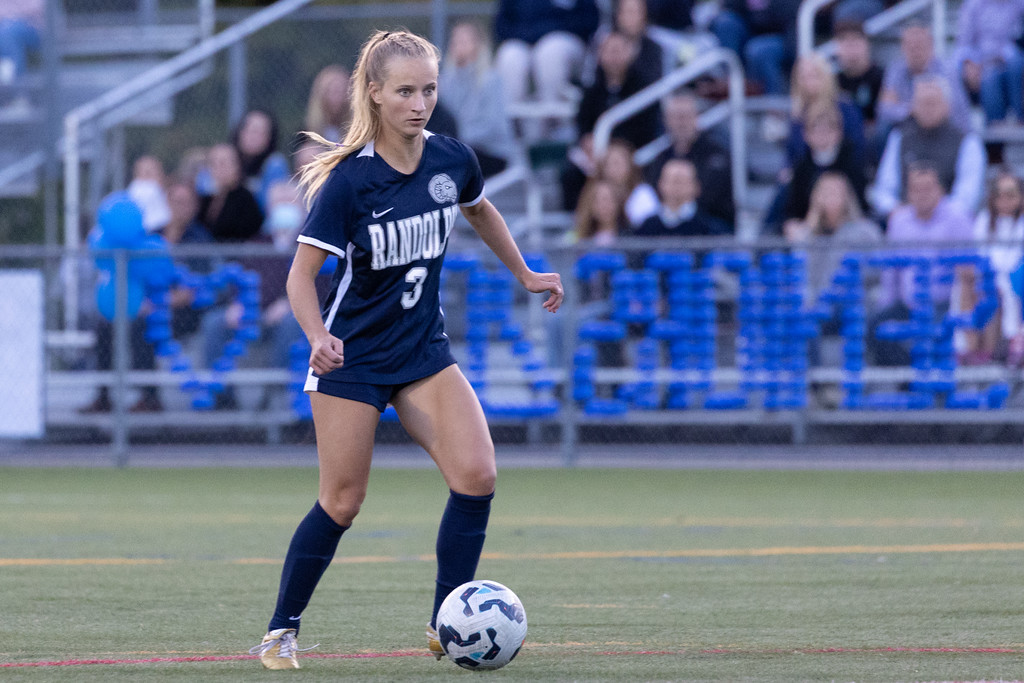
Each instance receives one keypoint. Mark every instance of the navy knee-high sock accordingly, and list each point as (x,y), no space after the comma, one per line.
(310,552)
(460,541)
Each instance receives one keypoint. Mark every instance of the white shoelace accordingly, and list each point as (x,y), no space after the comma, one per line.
(288,646)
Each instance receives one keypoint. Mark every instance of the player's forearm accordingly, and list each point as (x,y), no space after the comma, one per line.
(305,304)
(491,227)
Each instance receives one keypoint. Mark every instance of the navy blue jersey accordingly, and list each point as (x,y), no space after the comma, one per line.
(389,231)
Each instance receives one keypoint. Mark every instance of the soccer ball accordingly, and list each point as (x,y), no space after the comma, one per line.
(481,625)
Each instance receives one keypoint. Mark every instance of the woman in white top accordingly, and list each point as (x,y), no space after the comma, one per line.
(999,229)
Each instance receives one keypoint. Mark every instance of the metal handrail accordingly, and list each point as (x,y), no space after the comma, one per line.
(873,25)
(29,163)
(136,87)
(659,89)
(205,15)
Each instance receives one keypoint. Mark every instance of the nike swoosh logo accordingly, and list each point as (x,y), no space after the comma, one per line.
(294,618)
(378,215)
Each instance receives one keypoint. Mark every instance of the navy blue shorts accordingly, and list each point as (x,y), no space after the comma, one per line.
(377,395)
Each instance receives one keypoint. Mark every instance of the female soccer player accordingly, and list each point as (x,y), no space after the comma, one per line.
(385,202)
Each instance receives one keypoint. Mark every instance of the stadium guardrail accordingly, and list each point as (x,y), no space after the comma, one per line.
(665,334)
(873,25)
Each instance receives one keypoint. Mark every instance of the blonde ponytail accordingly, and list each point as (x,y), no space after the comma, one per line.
(372,66)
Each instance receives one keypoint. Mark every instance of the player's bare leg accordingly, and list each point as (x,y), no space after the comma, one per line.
(345,431)
(443,415)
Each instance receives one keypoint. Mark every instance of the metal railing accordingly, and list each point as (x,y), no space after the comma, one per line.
(86,125)
(510,378)
(166,78)
(699,66)
(874,25)
(57,22)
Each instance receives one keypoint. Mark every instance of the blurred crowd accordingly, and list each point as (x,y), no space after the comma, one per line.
(874,153)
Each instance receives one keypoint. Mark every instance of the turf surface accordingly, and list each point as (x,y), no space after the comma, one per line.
(626,575)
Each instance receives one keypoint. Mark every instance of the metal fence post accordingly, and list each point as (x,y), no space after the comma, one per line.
(569,325)
(237,79)
(120,358)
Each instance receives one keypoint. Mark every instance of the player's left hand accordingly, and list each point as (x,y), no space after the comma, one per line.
(546,282)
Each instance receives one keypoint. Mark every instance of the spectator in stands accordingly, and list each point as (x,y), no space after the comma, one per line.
(858,77)
(763,34)
(814,84)
(618,167)
(999,229)
(928,217)
(126,217)
(21,26)
(255,138)
(827,150)
(679,213)
(630,18)
(917,58)
(184,228)
(543,42)
(601,215)
(147,189)
(616,79)
(181,227)
(680,113)
(230,212)
(473,90)
(987,56)
(929,135)
(327,111)
(278,326)
(192,168)
(834,221)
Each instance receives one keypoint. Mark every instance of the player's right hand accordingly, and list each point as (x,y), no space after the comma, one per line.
(328,354)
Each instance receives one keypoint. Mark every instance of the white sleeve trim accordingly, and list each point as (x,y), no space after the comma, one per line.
(475,201)
(312,241)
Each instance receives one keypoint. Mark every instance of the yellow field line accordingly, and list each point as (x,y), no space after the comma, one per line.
(776,551)
(767,552)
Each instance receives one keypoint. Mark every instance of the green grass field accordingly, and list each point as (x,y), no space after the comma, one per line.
(626,575)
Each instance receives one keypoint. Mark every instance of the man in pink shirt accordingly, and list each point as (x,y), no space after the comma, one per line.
(928,217)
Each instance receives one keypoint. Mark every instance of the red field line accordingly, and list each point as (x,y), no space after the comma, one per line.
(608,653)
(208,658)
(825,651)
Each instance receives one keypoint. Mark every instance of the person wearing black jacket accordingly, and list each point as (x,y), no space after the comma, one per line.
(230,213)
(827,150)
(679,213)
(711,159)
(616,79)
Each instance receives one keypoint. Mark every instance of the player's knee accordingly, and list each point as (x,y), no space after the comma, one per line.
(478,480)
(343,506)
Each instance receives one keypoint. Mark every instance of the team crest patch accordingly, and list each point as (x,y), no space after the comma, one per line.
(442,189)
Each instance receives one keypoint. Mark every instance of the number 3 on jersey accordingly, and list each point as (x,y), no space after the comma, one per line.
(415,277)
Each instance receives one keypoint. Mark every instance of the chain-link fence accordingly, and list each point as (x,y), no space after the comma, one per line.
(724,344)
(695,342)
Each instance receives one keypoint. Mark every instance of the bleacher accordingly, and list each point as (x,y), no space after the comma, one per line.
(672,340)
(93,49)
